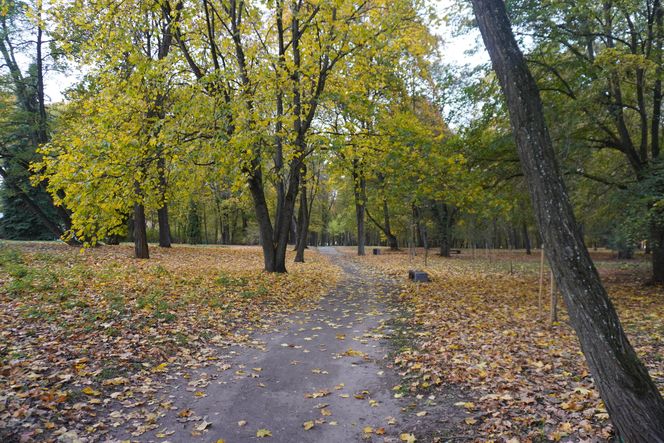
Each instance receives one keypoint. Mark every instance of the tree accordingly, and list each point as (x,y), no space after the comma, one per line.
(28,211)
(270,65)
(599,65)
(116,128)
(632,399)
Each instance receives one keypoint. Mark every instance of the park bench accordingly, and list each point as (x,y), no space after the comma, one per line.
(418,276)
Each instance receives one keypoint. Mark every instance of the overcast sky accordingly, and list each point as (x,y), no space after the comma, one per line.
(465,50)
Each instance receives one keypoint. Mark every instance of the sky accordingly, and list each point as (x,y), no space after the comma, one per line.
(455,51)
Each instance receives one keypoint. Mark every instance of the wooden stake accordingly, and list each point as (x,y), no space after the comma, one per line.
(541,284)
(554,300)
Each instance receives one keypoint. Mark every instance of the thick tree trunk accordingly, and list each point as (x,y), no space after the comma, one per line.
(292,231)
(164,227)
(264,223)
(444,243)
(140,233)
(634,404)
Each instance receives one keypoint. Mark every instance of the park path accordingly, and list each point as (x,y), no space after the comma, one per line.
(328,366)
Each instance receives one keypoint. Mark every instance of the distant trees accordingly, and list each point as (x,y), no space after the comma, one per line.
(278,118)
(234,85)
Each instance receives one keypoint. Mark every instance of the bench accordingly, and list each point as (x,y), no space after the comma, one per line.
(418,276)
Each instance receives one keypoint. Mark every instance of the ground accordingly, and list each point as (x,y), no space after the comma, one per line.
(198,344)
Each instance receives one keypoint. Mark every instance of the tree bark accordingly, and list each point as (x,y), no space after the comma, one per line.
(360,193)
(658,12)
(140,233)
(634,404)
(164,227)
(162,213)
(302,223)
(526,239)
(445,219)
(264,224)
(42,129)
(391,238)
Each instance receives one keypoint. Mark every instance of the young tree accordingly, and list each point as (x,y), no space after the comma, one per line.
(635,405)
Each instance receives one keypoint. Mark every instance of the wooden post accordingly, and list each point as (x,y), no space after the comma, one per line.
(541,284)
(554,300)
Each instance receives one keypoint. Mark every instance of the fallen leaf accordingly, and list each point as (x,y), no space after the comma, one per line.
(261,433)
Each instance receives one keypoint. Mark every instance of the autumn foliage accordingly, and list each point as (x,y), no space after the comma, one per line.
(87,332)
(477,328)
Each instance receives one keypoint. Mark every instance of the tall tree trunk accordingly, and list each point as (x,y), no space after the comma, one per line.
(292,230)
(391,238)
(360,194)
(164,227)
(526,238)
(162,213)
(444,219)
(302,224)
(634,404)
(658,12)
(140,233)
(361,235)
(264,223)
(42,122)
(656,243)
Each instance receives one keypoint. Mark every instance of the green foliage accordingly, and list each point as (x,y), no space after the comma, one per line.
(194,236)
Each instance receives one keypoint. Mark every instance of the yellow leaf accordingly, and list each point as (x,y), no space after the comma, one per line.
(160,368)
(308,425)
(89,391)
(408,438)
(465,404)
(263,433)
